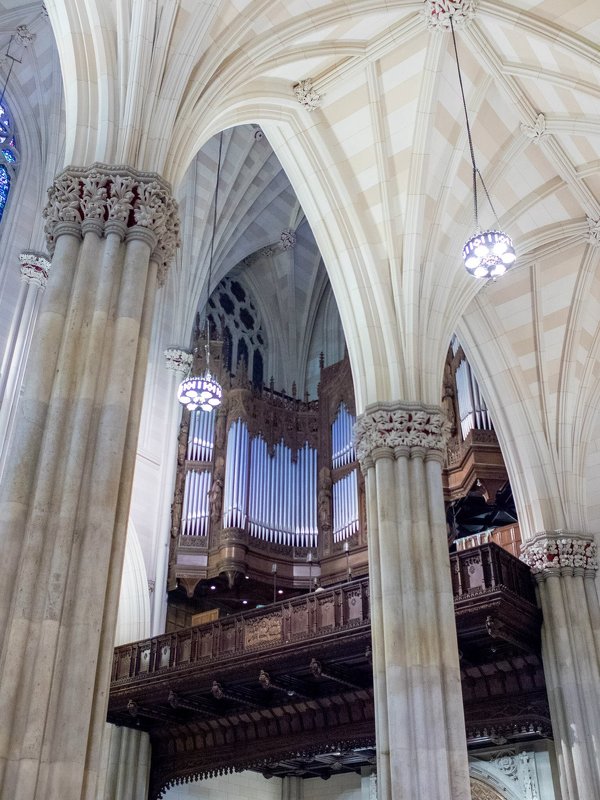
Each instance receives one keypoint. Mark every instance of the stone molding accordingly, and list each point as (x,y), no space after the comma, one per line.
(409,426)
(34,269)
(307,95)
(536,131)
(178,360)
(112,199)
(560,553)
(437,13)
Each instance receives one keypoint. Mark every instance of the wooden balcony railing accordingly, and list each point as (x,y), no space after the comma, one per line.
(487,567)
(319,614)
(480,571)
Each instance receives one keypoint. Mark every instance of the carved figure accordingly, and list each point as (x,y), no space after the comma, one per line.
(215,499)
(324,499)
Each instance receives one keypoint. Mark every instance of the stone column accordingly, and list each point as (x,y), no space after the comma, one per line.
(565,567)
(178,362)
(421,740)
(34,277)
(64,502)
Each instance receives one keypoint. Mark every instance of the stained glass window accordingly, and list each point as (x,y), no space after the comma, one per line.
(8,158)
(4,187)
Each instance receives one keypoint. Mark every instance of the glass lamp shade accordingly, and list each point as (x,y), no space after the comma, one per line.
(488,254)
(203,392)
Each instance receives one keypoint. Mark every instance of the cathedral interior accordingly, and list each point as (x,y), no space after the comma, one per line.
(362,564)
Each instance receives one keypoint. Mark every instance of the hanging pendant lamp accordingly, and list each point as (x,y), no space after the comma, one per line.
(204,391)
(489,253)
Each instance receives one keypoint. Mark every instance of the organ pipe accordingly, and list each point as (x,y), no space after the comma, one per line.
(282,500)
(471,405)
(236,476)
(201,436)
(345,507)
(341,438)
(196,506)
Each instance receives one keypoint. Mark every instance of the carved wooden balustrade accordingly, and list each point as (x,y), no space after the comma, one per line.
(281,626)
(291,682)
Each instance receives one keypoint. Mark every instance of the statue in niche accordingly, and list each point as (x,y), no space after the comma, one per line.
(215,499)
(220,429)
(324,499)
(215,493)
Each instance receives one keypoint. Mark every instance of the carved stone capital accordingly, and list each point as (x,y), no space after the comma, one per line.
(437,13)
(178,360)
(106,198)
(34,269)
(536,131)
(560,553)
(307,95)
(400,425)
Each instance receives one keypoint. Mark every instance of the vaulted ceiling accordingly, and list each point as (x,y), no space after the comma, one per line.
(379,172)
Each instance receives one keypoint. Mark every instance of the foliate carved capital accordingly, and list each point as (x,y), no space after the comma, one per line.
(178,360)
(34,269)
(400,425)
(560,553)
(437,13)
(107,197)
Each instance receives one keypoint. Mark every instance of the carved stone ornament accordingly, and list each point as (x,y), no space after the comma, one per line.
(536,131)
(115,198)
(24,36)
(178,360)
(593,234)
(288,239)
(34,269)
(560,553)
(407,425)
(307,95)
(437,13)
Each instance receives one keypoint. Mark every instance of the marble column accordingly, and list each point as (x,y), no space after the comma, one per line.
(65,499)
(565,567)
(34,277)
(178,362)
(421,740)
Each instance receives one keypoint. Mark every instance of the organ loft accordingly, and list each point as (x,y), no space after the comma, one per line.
(266,663)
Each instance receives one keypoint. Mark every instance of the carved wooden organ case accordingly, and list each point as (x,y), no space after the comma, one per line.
(269,482)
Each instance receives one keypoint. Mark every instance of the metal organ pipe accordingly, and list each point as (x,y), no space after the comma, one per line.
(196,504)
(235,494)
(471,405)
(282,502)
(345,506)
(342,448)
(201,436)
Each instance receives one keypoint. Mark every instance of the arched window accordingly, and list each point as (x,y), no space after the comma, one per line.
(234,316)
(9,157)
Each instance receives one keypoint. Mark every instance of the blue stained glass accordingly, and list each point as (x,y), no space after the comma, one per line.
(4,188)
(9,156)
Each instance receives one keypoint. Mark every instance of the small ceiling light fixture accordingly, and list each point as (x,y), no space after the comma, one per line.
(489,253)
(204,391)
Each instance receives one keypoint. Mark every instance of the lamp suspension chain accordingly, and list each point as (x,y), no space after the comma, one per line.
(489,253)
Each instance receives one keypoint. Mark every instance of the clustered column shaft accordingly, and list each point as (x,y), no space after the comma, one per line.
(421,740)
(65,500)
(565,567)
